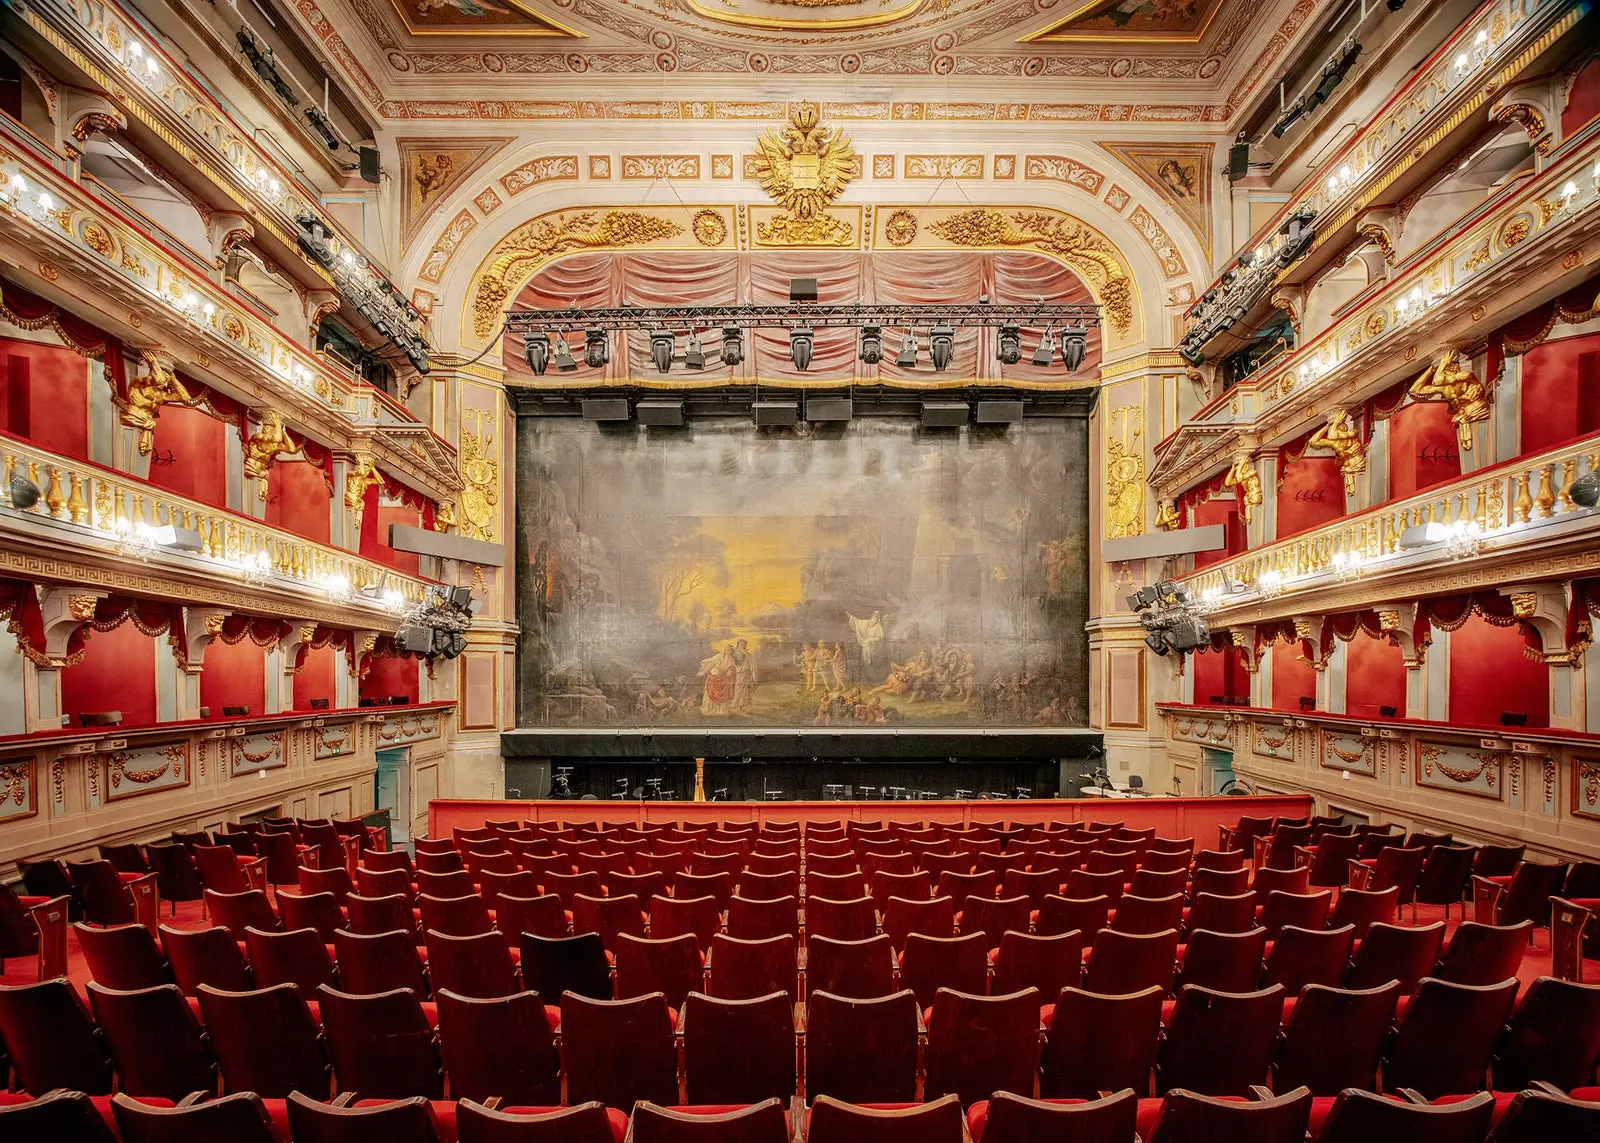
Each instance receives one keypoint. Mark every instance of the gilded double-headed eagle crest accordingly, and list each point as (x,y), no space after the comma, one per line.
(803,167)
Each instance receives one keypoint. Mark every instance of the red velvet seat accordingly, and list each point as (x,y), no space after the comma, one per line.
(478,966)
(1086,915)
(591,1122)
(1188,1117)
(934,917)
(620,1052)
(982,1044)
(265,1041)
(1096,1042)
(743,970)
(299,958)
(1224,962)
(1394,865)
(1015,1119)
(122,956)
(223,871)
(51,1039)
(1299,957)
(1219,1043)
(672,966)
(763,1122)
(237,1118)
(1394,952)
(1046,964)
(862,1050)
(738,1051)
(381,1044)
(400,1121)
(1553,1037)
(1361,1117)
(155,1041)
(1443,1045)
(834,1121)
(553,966)
(499,1048)
(205,956)
(380,962)
(1334,1037)
(1119,963)
(1483,954)
(928,964)
(1539,1116)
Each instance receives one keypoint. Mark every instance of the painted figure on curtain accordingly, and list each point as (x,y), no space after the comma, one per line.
(865,574)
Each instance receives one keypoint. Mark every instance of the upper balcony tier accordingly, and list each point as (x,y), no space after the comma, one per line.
(83,250)
(1517,250)
(1412,137)
(122,78)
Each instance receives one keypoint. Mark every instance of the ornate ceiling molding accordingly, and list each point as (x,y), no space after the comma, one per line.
(1181,173)
(432,167)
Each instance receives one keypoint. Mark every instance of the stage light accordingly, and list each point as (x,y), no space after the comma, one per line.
(1010,348)
(1046,350)
(1585,490)
(661,347)
(732,345)
(694,357)
(1074,344)
(907,357)
(537,350)
(596,349)
(24,492)
(871,344)
(802,341)
(564,359)
(942,346)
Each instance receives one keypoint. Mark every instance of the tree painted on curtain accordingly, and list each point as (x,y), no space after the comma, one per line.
(862,575)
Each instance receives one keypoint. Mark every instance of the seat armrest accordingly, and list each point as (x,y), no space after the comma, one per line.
(1486,896)
(1359,876)
(1411,1095)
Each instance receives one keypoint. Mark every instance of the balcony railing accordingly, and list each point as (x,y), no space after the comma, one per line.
(1483,515)
(98,511)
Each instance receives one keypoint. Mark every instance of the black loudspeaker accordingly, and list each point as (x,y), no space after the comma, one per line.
(802,289)
(945,414)
(415,638)
(1238,161)
(461,597)
(829,408)
(1513,718)
(369,164)
(605,409)
(653,412)
(1388,711)
(999,412)
(776,414)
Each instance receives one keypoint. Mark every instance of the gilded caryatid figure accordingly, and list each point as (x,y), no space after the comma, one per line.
(363,476)
(1450,379)
(1167,517)
(1341,438)
(1243,476)
(266,445)
(141,405)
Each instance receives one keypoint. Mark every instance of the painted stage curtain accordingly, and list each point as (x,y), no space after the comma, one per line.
(845,277)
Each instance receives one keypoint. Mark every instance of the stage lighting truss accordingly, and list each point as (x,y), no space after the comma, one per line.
(544,332)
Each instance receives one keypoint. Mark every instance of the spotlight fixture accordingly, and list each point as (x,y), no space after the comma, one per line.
(596,349)
(694,357)
(537,350)
(871,344)
(661,346)
(907,357)
(1585,490)
(1010,348)
(941,346)
(24,492)
(732,345)
(564,359)
(1074,343)
(1046,350)
(802,340)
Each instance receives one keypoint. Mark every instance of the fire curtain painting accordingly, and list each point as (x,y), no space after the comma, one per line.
(858,575)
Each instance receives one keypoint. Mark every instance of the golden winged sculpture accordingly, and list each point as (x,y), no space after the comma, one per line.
(803,167)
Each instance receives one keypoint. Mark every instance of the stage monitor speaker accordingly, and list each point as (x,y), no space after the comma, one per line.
(802,289)
(369,165)
(1238,161)
(605,409)
(654,412)
(945,414)
(776,414)
(830,409)
(999,412)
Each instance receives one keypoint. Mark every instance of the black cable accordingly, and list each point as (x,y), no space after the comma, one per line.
(493,341)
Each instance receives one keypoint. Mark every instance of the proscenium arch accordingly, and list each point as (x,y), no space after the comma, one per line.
(521,252)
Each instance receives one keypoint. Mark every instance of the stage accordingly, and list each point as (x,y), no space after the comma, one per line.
(759,764)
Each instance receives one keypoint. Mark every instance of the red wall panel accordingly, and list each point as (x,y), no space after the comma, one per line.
(316,677)
(1226,513)
(1375,676)
(118,672)
(1583,102)
(52,385)
(1489,674)
(1423,449)
(1560,391)
(198,444)
(1310,493)
(1292,677)
(1219,674)
(234,675)
(375,521)
(391,675)
(299,499)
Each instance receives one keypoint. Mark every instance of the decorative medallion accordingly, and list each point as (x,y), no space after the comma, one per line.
(900,228)
(709,228)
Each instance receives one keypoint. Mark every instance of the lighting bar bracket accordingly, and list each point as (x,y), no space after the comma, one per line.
(802,315)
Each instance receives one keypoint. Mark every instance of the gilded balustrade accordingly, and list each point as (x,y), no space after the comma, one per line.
(1489,509)
(115,506)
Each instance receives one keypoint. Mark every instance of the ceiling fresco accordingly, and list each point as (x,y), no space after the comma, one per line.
(1135,21)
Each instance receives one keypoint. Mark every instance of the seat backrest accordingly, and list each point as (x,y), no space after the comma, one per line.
(1497,860)
(499,1048)
(472,966)
(51,1039)
(859,969)
(237,1118)
(465,916)
(1187,1116)
(715,885)
(1303,910)
(764,1122)
(1068,914)
(177,876)
(265,1041)
(552,966)
(672,966)
(1219,1043)
(380,1044)
(586,1123)
(618,1051)
(1334,1038)
(1527,898)
(1309,956)
(1136,914)
(122,956)
(935,1121)
(240,911)
(384,882)
(399,1121)
(543,916)
(608,916)
(1088,883)
(757,920)
(1120,963)
(1268,879)
(744,970)
(1046,964)
(1443,1045)
(219,868)
(913,885)
(1554,1036)
(1445,873)
(852,919)
(1405,953)
(299,958)
(994,917)
(1226,962)
(61,1116)
(981,1044)
(1357,1116)
(1484,954)
(674,916)
(371,915)
(1235,913)
(1364,908)
(1153,883)
(1016,1119)
(319,911)
(928,964)
(105,901)
(1539,1116)
(155,1041)
(862,1050)
(932,917)
(738,1051)
(379,962)
(205,956)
